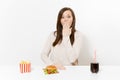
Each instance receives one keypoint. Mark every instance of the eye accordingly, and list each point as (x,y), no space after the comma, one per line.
(69,16)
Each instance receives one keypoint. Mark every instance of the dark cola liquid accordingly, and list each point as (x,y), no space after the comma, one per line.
(94,67)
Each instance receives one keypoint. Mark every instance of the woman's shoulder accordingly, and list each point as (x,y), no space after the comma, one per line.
(79,36)
(52,34)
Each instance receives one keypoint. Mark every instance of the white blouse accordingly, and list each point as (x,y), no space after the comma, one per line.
(63,53)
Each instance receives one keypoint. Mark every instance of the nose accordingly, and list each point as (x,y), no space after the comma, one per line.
(65,20)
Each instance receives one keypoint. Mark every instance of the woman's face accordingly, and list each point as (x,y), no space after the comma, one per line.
(67,19)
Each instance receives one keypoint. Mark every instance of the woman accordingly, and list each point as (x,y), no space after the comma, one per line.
(63,45)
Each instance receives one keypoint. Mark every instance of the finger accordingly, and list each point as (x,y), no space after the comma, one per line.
(66,25)
(62,68)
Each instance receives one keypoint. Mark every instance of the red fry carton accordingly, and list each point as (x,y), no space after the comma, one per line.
(25,66)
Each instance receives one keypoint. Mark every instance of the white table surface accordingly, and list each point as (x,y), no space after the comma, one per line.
(71,73)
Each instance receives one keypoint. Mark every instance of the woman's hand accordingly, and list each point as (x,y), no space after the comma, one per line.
(66,30)
(75,62)
(59,66)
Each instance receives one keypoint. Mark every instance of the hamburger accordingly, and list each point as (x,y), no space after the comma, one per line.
(51,69)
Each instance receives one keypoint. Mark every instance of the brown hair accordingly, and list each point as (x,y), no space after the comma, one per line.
(59,27)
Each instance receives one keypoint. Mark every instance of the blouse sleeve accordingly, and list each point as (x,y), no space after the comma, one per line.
(46,50)
(76,48)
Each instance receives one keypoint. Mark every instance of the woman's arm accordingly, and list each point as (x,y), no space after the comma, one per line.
(74,51)
(46,50)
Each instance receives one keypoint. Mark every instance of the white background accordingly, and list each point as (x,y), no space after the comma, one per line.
(26,24)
